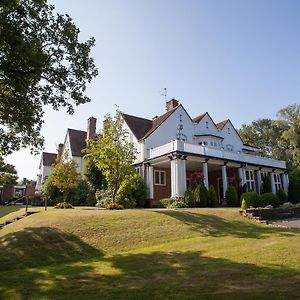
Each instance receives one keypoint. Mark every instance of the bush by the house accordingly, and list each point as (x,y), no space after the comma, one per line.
(173,203)
(244,205)
(231,196)
(114,205)
(282,196)
(189,198)
(294,186)
(83,195)
(252,199)
(200,195)
(63,205)
(103,197)
(270,199)
(212,198)
(132,191)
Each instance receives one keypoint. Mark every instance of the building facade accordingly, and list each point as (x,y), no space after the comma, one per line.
(173,146)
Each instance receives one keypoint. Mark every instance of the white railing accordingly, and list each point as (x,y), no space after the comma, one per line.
(217,153)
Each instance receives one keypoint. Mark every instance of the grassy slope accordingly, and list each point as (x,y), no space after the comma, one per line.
(144,254)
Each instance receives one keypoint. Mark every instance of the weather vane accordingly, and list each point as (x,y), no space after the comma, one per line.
(164,93)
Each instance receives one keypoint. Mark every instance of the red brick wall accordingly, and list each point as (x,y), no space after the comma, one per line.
(162,191)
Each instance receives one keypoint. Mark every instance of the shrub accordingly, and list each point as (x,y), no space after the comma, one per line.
(103,197)
(212,198)
(270,199)
(294,186)
(113,205)
(189,198)
(244,205)
(63,205)
(166,202)
(83,195)
(132,191)
(282,196)
(178,204)
(232,196)
(252,199)
(201,195)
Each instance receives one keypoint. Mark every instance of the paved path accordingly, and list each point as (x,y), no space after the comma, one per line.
(291,223)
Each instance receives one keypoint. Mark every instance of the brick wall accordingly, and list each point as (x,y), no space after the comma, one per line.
(162,191)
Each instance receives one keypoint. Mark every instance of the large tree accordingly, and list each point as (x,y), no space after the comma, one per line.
(8,173)
(279,138)
(112,153)
(42,63)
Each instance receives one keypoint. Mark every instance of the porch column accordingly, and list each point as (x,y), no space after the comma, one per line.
(273,188)
(241,175)
(149,181)
(178,176)
(244,175)
(285,184)
(205,174)
(258,174)
(224,179)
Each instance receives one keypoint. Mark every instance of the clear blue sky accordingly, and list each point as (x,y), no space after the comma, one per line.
(234,58)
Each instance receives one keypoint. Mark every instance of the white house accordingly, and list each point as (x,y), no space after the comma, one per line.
(173,146)
(75,141)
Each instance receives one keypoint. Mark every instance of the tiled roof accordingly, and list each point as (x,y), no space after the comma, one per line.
(199,118)
(159,120)
(77,141)
(222,124)
(48,158)
(139,126)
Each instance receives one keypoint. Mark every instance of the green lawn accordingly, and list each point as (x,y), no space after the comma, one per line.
(147,254)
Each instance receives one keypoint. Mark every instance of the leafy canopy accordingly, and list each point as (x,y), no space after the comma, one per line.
(42,63)
(113,153)
(8,173)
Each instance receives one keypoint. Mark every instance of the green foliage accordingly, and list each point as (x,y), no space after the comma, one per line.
(266,184)
(65,177)
(189,198)
(50,190)
(8,173)
(83,195)
(294,186)
(63,205)
(282,196)
(112,153)
(252,199)
(270,199)
(173,203)
(201,195)
(132,191)
(277,138)
(231,196)
(113,205)
(212,198)
(103,197)
(42,63)
(244,205)
(93,175)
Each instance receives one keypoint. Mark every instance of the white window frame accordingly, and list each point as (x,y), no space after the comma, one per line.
(250,180)
(277,181)
(157,175)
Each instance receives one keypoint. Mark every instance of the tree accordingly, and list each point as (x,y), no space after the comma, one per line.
(279,138)
(42,63)
(93,175)
(8,173)
(112,153)
(65,177)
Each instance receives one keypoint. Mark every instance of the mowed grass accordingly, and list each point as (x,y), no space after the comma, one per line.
(147,254)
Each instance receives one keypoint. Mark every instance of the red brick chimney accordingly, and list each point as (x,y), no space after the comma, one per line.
(172,104)
(91,128)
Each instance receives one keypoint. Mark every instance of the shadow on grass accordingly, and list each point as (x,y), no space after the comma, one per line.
(41,246)
(212,225)
(5,210)
(153,276)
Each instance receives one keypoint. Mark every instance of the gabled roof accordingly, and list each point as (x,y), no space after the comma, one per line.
(138,126)
(159,120)
(48,159)
(77,141)
(199,118)
(221,125)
